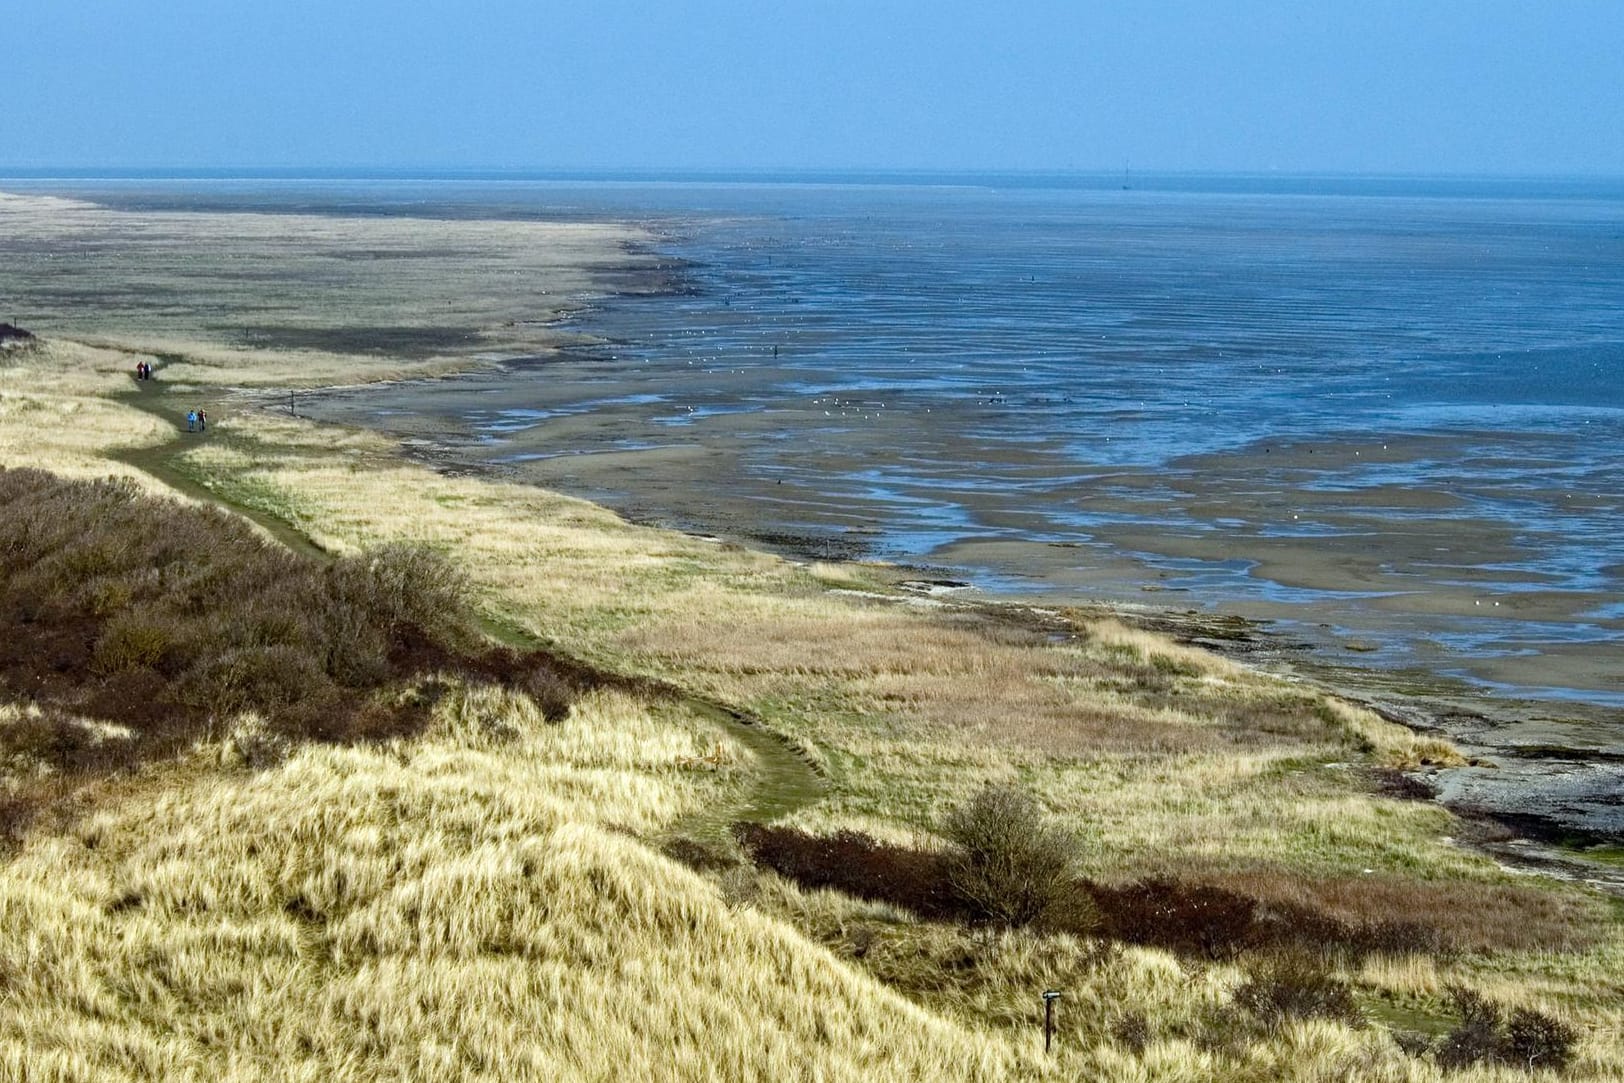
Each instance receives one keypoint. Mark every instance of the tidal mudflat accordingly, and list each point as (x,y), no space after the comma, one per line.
(387,295)
(1383,422)
(1056,395)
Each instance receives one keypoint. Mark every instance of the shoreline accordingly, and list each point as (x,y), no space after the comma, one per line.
(1539,788)
(1549,745)
(575,442)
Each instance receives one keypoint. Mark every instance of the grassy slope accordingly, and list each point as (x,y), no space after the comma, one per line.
(451,907)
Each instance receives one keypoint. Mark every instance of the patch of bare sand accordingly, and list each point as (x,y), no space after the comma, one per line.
(264,296)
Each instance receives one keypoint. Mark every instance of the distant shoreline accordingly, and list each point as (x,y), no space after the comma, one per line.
(1603,186)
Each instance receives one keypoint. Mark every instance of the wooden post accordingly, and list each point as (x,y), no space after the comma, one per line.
(1049,997)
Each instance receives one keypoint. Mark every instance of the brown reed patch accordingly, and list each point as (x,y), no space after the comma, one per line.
(1403,913)
(1210,918)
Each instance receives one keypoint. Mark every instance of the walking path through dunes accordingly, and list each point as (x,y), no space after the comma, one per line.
(489,901)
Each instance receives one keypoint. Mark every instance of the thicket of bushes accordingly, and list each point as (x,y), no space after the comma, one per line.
(169,619)
(1488,1034)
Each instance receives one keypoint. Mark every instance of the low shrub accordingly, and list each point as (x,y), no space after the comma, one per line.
(856,864)
(698,854)
(1006,864)
(551,691)
(1535,1040)
(1476,1038)
(403,589)
(168,619)
(1192,918)
(1526,1039)
(252,678)
(1296,985)
(133,641)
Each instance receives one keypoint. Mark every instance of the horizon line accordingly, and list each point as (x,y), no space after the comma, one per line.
(429,172)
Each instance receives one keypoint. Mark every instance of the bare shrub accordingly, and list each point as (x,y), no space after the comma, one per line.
(1526,1039)
(552,692)
(1007,862)
(249,678)
(1296,985)
(1477,1037)
(1413,1042)
(55,741)
(1534,1040)
(403,586)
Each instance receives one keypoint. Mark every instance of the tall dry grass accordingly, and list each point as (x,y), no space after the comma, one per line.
(445,908)
(56,414)
(486,899)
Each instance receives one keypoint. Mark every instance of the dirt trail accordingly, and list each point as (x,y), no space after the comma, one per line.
(784,781)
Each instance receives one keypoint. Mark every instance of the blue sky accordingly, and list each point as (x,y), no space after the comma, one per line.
(1428,86)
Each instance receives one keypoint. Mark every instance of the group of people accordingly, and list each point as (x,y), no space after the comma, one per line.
(196,420)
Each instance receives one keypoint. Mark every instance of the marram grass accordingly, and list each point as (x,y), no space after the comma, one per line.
(488,900)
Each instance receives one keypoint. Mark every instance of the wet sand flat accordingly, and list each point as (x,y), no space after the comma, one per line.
(1407,576)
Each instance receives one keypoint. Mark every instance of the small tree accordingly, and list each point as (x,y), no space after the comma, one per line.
(1008,863)
(1297,985)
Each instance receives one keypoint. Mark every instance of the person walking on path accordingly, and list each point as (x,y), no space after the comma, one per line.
(191,421)
(202,421)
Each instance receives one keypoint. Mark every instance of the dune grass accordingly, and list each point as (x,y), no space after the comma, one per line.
(488,897)
(439,908)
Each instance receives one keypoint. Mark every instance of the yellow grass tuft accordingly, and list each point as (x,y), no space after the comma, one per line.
(1393,745)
